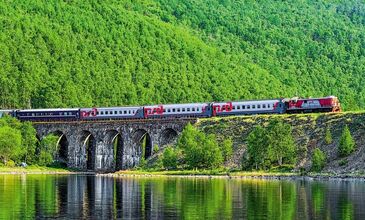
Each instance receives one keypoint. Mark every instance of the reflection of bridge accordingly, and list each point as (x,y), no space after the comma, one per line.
(110,145)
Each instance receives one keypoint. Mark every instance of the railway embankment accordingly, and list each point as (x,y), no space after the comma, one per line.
(309,132)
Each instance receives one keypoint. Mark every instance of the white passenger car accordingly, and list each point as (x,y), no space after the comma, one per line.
(112,113)
(178,110)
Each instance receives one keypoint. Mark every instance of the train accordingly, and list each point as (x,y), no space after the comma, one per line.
(188,110)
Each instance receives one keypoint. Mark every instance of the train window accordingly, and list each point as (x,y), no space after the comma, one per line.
(253,106)
(248,107)
(173,110)
(125,112)
(106,112)
(129,111)
(197,109)
(243,107)
(193,109)
(168,110)
(178,110)
(263,106)
(102,113)
(238,107)
(188,109)
(183,109)
(115,112)
(258,106)
(111,112)
(234,107)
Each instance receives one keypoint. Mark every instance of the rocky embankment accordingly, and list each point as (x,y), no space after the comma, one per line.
(308,132)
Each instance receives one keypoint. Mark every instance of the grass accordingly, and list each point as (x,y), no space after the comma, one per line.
(33,169)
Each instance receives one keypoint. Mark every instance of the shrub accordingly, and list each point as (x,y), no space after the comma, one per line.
(10,163)
(328,136)
(45,158)
(199,150)
(347,144)
(155,148)
(169,159)
(318,160)
(343,162)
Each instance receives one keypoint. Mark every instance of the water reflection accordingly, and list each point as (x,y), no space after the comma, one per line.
(84,197)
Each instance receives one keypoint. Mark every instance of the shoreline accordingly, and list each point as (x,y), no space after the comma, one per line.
(241,175)
(189,174)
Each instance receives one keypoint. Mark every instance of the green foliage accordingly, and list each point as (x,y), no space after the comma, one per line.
(258,147)
(199,150)
(45,158)
(347,144)
(134,48)
(343,162)
(29,142)
(48,150)
(170,158)
(275,143)
(155,148)
(227,149)
(10,163)
(281,142)
(328,137)
(10,143)
(318,160)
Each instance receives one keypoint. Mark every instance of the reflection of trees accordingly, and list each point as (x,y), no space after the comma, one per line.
(346,208)
(196,197)
(318,199)
(32,196)
(274,199)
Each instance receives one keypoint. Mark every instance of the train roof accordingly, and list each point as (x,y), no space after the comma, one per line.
(49,110)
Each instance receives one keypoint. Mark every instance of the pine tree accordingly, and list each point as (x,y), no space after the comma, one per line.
(318,160)
(347,144)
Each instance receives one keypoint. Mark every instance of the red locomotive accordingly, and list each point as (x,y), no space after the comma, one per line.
(326,104)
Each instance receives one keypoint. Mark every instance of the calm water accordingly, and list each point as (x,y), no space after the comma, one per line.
(90,197)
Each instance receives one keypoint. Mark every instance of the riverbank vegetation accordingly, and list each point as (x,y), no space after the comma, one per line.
(19,145)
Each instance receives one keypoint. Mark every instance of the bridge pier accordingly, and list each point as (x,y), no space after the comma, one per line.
(112,145)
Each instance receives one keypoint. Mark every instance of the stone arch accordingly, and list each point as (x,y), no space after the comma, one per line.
(115,143)
(168,137)
(62,147)
(141,138)
(88,145)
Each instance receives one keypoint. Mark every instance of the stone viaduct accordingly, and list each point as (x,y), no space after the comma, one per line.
(104,146)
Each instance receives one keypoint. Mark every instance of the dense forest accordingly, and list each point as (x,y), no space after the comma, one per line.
(103,53)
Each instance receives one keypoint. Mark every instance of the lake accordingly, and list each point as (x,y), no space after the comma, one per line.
(102,197)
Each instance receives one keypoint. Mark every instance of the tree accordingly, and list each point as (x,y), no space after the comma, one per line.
(318,160)
(328,136)
(29,142)
(281,142)
(170,157)
(10,143)
(199,150)
(227,148)
(48,150)
(347,144)
(258,146)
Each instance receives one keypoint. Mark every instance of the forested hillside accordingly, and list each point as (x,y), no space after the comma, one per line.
(105,53)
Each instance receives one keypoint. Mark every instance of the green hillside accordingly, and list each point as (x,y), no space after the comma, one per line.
(105,53)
